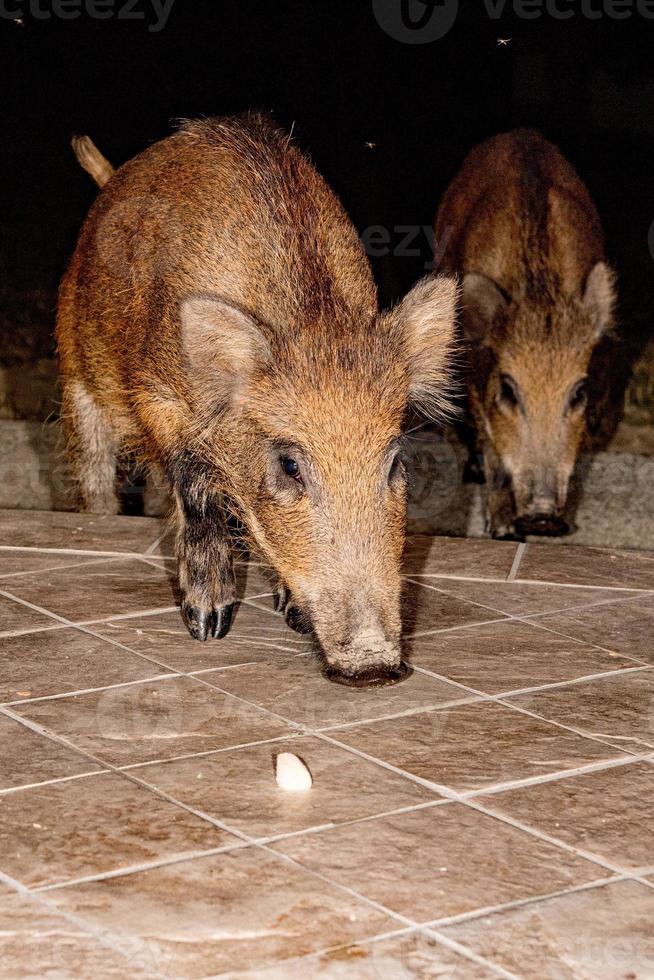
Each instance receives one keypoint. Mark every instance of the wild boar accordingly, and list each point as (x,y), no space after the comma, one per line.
(518,225)
(219,317)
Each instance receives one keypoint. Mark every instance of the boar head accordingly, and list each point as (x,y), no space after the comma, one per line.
(307,442)
(528,386)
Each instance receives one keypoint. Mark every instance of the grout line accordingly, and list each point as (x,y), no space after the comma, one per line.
(517,562)
(583,585)
(587,643)
(88,690)
(211,752)
(87,928)
(155,544)
(35,608)
(132,869)
(93,553)
(8,790)
(469,954)
(57,568)
(551,777)
(639,591)
(454,629)
(521,903)
(571,682)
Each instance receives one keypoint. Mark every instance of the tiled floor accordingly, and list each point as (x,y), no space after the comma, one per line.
(490,816)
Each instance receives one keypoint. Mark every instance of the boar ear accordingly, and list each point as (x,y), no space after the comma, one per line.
(483,300)
(426,320)
(221,344)
(600,297)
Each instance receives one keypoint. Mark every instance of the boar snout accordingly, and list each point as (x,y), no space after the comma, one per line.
(542,512)
(368,659)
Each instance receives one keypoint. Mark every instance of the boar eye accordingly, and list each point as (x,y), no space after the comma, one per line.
(290,467)
(508,390)
(578,395)
(397,469)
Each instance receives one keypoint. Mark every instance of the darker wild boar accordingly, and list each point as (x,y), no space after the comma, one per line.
(219,317)
(520,228)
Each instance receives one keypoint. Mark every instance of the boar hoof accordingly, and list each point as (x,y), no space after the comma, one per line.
(280,598)
(222,621)
(296,620)
(201,623)
(372,677)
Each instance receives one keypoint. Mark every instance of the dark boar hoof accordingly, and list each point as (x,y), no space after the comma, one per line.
(545,525)
(296,620)
(201,624)
(373,677)
(222,621)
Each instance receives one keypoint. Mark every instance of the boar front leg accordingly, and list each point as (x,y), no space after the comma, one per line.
(500,516)
(205,561)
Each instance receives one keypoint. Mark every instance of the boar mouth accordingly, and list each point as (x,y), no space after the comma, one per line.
(372,677)
(543,525)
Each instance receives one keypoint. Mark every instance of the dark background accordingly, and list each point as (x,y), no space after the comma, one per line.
(327,68)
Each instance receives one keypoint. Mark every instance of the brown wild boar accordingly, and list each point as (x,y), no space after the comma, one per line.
(520,228)
(219,317)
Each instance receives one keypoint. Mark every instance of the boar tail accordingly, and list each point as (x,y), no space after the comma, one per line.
(91,160)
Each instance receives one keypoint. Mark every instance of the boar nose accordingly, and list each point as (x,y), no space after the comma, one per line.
(546,524)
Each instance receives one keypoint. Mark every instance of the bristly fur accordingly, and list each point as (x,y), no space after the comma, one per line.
(537,296)
(220,311)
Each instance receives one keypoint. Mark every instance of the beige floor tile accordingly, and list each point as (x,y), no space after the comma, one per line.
(157,720)
(255,635)
(15,617)
(294,688)
(617,708)
(37,942)
(526,598)
(624,628)
(27,757)
(62,831)
(469,747)
(609,812)
(56,661)
(409,957)
(81,532)
(509,656)
(96,591)
(439,862)
(238,787)
(588,566)
(210,915)
(468,557)
(599,934)
(426,609)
